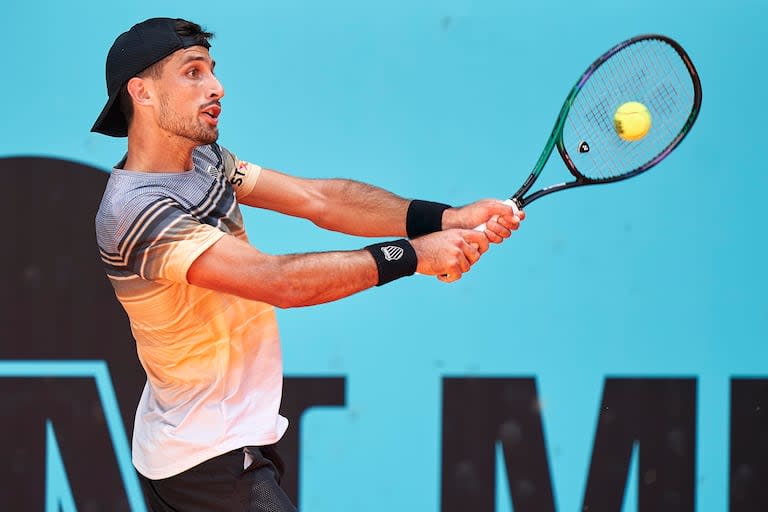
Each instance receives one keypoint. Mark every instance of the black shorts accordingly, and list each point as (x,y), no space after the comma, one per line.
(222,485)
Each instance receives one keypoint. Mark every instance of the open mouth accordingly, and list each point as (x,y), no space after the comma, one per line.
(212,112)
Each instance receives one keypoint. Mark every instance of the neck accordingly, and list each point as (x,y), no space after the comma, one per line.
(153,150)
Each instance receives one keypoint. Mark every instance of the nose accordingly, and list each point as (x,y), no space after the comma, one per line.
(216,89)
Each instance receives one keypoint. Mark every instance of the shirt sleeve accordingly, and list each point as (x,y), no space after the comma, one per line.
(165,241)
(242,175)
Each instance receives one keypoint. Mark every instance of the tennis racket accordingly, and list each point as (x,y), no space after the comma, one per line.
(650,69)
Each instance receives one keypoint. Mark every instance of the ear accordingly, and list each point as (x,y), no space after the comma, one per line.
(140,90)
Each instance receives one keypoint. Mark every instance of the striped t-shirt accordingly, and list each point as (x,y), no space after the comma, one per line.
(213,361)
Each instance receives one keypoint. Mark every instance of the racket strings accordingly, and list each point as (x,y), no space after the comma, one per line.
(625,76)
(631,155)
(650,72)
(666,109)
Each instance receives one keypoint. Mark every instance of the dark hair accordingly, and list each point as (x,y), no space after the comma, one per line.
(183,28)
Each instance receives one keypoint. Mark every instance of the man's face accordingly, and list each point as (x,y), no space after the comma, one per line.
(189,96)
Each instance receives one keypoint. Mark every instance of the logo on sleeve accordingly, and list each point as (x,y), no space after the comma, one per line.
(239,174)
(392,252)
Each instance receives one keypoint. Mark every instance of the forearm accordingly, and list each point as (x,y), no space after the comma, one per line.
(342,205)
(232,266)
(316,278)
(287,281)
(360,209)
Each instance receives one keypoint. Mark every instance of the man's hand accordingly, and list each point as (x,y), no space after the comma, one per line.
(449,254)
(499,219)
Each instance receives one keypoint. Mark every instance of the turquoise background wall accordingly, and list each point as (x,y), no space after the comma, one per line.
(452,101)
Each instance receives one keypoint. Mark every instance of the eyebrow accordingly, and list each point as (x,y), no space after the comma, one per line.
(192,58)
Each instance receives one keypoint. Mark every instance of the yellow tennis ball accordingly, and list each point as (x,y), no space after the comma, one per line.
(632,121)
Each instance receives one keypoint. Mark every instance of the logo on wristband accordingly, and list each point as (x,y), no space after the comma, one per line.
(392,252)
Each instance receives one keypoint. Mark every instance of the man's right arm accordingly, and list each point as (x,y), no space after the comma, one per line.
(233,266)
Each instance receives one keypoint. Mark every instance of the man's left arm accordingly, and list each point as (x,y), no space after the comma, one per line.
(360,209)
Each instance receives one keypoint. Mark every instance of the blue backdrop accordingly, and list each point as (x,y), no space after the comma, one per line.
(452,101)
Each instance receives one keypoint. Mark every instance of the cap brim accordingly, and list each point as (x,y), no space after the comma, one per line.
(111,121)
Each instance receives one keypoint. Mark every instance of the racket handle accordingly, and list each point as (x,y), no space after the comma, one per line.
(481,227)
(508,202)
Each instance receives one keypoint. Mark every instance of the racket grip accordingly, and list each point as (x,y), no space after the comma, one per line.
(508,202)
(481,227)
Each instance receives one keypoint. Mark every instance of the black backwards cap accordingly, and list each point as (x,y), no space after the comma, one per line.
(134,51)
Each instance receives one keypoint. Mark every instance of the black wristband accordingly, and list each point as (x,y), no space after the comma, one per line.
(394,259)
(424,217)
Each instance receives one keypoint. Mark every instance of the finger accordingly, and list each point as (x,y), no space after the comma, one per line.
(492,235)
(496,232)
(480,247)
(506,208)
(449,278)
(498,207)
(483,245)
(481,227)
(474,237)
(472,254)
(512,223)
(463,261)
(518,212)
(478,241)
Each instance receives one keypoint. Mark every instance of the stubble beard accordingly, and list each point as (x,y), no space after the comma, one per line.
(193,129)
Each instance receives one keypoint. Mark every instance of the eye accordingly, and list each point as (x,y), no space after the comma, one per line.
(193,73)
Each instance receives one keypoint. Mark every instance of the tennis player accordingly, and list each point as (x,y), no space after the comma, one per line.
(201,298)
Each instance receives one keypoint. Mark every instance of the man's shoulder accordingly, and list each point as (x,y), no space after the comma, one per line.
(213,158)
(127,197)
(127,187)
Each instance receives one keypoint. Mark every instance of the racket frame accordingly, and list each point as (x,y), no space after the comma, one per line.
(556,137)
